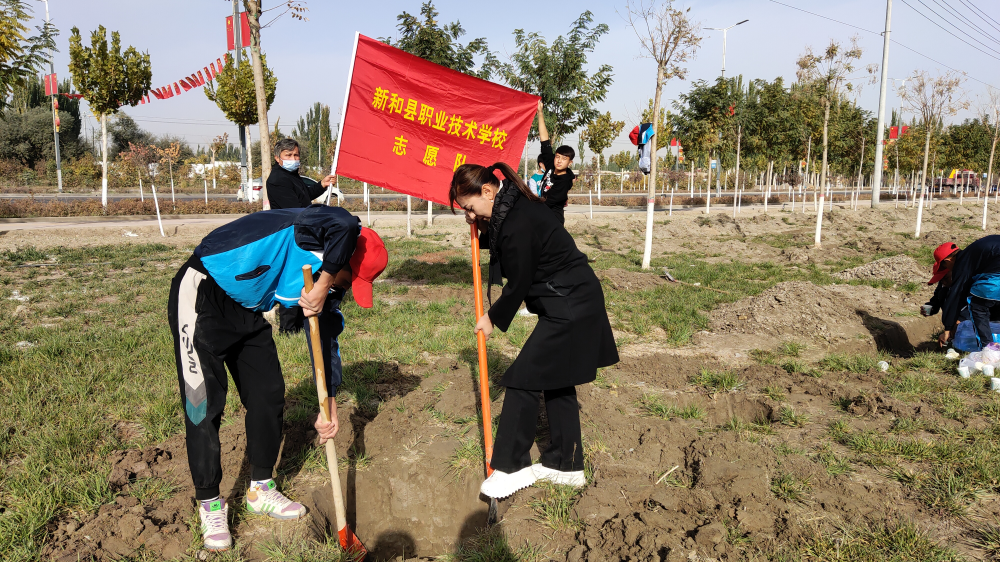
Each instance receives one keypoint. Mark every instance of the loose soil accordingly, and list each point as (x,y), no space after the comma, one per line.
(409,498)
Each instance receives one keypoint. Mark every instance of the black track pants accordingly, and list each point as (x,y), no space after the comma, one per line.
(212,332)
(290,319)
(981,310)
(516,430)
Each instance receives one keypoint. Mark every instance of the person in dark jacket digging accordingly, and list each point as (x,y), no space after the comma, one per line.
(544,269)
(286,189)
(975,279)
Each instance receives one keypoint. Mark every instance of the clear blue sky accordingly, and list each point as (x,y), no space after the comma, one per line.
(311,58)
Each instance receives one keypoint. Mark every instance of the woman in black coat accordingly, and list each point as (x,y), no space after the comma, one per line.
(573,338)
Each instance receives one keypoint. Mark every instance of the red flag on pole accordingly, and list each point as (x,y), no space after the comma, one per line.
(230,34)
(408,123)
(51,85)
(893,133)
(244,29)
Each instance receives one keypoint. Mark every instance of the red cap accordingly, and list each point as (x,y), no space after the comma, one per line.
(367,263)
(634,136)
(940,254)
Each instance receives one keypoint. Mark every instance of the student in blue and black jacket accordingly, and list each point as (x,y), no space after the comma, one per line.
(975,279)
(215,310)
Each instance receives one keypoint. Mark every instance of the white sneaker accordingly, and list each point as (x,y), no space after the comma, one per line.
(215,524)
(501,484)
(575,478)
(265,499)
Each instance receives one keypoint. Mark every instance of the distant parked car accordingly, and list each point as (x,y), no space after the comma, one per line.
(254,195)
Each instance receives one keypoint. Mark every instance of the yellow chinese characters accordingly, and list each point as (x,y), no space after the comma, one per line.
(431,155)
(459,160)
(439,120)
(399,149)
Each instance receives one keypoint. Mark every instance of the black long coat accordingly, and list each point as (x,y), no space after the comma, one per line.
(546,271)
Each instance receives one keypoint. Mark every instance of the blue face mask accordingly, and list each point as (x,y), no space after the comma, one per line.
(290,165)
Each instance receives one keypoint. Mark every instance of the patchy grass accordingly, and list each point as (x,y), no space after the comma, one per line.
(787,487)
(714,381)
(775,393)
(895,541)
(654,406)
(787,416)
(854,363)
(554,506)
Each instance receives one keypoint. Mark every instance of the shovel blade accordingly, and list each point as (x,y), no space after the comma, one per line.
(351,544)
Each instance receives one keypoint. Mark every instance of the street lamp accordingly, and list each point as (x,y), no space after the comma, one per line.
(724,30)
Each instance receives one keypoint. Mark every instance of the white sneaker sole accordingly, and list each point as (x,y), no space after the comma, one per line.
(507,484)
(576,479)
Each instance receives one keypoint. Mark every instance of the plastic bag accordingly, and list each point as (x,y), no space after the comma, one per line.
(991,354)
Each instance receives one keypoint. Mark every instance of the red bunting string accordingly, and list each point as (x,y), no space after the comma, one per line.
(199,78)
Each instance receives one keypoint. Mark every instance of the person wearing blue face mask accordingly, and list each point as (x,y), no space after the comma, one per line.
(286,189)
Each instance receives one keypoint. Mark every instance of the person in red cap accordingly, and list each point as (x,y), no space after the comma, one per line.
(944,256)
(973,277)
(215,310)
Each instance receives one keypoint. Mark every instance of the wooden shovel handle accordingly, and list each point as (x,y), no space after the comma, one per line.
(324,408)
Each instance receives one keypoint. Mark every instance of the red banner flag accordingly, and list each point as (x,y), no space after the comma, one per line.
(244,32)
(408,123)
(177,90)
(893,133)
(51,85)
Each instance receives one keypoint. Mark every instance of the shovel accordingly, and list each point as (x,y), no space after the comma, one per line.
(350,543)
(484,375)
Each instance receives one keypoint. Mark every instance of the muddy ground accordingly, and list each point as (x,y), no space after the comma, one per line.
(659,489)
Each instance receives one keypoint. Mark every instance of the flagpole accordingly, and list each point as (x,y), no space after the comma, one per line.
(343,112)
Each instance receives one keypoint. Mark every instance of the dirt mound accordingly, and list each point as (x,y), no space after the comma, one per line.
(625,280)
(898,269)
(831,314)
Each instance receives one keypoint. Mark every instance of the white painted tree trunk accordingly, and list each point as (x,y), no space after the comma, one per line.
(920,215)
(819,223)
(409,210)
(104,158)
(156,204)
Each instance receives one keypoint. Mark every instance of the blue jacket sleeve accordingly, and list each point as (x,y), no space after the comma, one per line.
(330,230)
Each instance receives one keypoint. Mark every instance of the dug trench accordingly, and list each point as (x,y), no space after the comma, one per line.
(701,453)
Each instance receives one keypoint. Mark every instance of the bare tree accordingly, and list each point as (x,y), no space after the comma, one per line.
(934,98)
(667,36)
(828,73)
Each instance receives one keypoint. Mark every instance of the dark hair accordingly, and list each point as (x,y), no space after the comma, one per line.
(541,159)
(566,151)
(469,179)
(285,144)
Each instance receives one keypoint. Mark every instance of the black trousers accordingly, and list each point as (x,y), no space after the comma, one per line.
(516,430)
(290,320)
(212,332)
(979,309)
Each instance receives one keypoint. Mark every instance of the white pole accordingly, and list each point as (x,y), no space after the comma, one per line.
(591,196)
(206,190)
(621,185)
(104,157)
(920,215)
(409,209)
(985,200)
(880,127)
(368,204)
(157,205)
(819,222)
(708,188)
(430,215)
(670,213)
(141,196)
